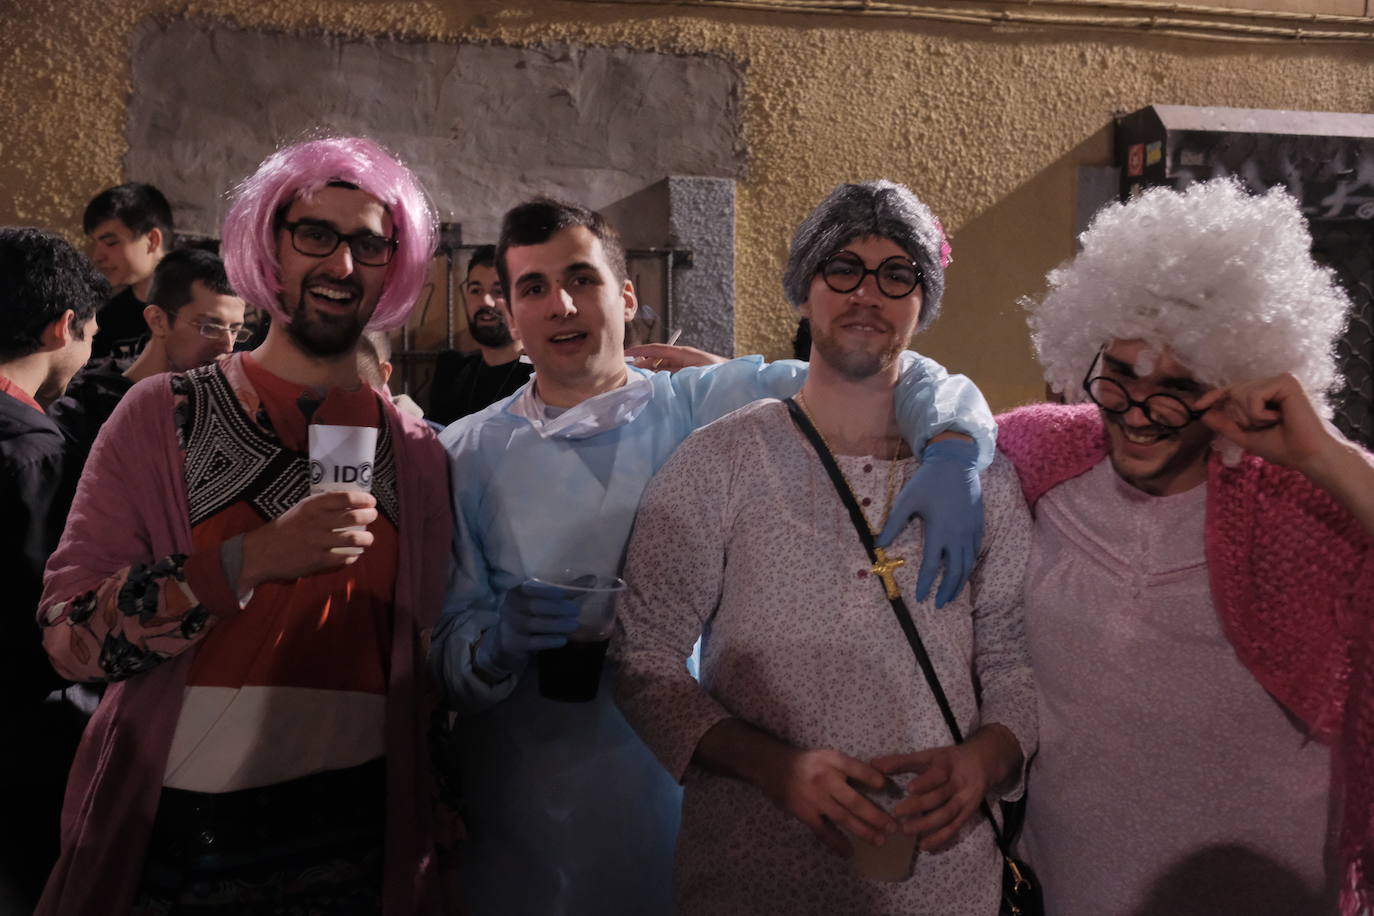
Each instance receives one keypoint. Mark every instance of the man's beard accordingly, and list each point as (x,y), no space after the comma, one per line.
(855,364)
(322,336)
(493,336)
(1190,447)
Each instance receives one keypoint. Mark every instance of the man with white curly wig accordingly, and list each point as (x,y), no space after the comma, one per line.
(1201,583)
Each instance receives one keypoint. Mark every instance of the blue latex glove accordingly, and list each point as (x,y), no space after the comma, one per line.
(533,617)
(947,493)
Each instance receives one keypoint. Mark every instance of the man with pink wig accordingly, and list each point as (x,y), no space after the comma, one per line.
(261,744)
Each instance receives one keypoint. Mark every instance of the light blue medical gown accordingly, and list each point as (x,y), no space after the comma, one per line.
(568,813)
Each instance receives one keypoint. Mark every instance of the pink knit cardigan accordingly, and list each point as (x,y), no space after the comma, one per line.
(1292,578)
(131,507)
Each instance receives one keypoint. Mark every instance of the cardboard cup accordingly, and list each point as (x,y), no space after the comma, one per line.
(893,860)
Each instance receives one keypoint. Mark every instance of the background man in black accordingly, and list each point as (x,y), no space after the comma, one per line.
(465,383)
(129,229)
(49,295)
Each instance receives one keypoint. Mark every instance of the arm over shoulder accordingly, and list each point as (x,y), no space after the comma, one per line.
(714,391)
(930,401)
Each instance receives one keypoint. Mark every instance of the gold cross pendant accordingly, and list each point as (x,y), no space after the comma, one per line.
(884,568)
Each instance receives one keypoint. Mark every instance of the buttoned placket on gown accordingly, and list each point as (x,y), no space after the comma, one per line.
(1149,723)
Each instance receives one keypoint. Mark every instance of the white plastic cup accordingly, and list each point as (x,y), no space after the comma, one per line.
(341,458)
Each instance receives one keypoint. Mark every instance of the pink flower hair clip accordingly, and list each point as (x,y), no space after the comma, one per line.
(946,253)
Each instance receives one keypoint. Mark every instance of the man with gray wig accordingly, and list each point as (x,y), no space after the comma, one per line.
(812,727)
(883,209)
(877,208)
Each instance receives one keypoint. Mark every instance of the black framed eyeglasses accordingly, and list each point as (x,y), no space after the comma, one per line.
(214,331)
(320,240)
(1163,410)
(844,272)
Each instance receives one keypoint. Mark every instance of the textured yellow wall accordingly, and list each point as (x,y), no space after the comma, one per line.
(987,126)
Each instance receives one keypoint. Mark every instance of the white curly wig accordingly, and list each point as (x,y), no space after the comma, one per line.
(1223,279)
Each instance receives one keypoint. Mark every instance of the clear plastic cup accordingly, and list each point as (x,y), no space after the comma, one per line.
(573,672)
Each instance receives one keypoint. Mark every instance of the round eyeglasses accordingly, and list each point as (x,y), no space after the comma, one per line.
(320,240)
(216,331)
(844,272)
(1162,410)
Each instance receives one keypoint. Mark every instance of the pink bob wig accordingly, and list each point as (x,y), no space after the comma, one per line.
(249,242)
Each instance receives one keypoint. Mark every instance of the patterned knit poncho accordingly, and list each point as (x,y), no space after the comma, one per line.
(1292,577)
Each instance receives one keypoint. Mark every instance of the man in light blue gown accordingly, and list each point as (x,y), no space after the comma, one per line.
(567,812)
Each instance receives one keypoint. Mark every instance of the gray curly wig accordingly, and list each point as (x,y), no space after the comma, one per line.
(1223,279)
(877,208)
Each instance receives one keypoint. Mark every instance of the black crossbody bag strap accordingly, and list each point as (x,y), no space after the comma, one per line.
(918,647)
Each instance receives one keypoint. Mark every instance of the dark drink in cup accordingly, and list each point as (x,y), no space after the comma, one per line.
(572,673)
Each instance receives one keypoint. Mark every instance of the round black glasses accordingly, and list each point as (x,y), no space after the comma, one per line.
(844,272)
(320,240)
(1160,409)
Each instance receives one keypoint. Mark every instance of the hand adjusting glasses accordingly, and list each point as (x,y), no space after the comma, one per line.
(844,272)
(1162,410)
(320,240)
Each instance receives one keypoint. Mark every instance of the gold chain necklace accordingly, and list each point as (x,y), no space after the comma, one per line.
(885,566)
